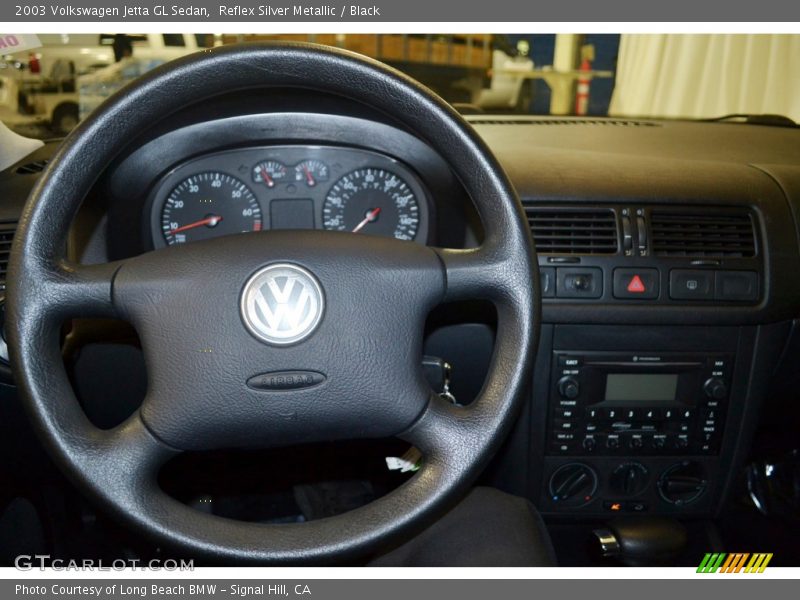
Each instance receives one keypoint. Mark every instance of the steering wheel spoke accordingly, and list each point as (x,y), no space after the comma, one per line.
(70,290)
(483,273)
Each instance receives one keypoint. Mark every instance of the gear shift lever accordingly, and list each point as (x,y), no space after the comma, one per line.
(641,541)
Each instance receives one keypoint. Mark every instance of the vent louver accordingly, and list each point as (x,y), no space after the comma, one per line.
(546,122)
(6,237)
(573,231)
(702,234)
(32,167)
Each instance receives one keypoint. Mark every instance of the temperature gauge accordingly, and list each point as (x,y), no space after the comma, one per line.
(311,172)
(270,173)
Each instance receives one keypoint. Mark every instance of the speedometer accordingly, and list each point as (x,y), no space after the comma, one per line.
(209,205)
(372,201)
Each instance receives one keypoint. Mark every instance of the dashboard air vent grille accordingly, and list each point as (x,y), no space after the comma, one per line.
(702,234)
(599,122)
(30,168)
(573,231)
(6,237)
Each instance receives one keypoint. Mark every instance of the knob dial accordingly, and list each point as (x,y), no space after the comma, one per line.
(715,388)
(629,479)
(569,387)
(682,483)
(573,485)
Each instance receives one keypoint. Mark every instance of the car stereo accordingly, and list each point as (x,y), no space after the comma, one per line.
(608,403)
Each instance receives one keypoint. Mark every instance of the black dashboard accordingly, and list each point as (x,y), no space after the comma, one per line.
(668,254)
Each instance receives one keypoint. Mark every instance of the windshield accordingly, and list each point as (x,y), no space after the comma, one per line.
(58,79)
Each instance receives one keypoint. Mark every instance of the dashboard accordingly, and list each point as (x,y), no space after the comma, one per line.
(668,255)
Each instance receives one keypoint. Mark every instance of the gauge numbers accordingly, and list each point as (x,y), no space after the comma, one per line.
(374,202)
(207,205)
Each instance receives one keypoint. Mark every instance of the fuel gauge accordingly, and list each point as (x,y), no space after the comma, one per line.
(270,173)
(311,172)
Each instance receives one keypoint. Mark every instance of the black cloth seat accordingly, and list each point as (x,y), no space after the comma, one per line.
(488,528)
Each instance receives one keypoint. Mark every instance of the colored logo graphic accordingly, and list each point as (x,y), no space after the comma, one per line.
(740,562)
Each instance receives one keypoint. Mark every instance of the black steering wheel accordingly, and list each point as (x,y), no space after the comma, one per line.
(272,338)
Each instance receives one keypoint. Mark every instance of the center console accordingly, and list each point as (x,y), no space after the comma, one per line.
(641,420)
(662,323)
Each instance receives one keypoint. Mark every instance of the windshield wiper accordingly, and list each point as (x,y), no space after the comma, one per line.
(769,120)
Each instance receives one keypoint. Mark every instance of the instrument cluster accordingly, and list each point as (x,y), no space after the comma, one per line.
(289,187)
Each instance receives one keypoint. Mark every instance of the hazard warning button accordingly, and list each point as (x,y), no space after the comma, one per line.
(640,284)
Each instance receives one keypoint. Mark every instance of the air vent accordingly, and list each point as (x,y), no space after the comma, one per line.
(6,237)
(702,234)
(602,122)
(32,167)
(573,231)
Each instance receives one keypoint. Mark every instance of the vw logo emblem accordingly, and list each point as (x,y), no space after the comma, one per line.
(282,304)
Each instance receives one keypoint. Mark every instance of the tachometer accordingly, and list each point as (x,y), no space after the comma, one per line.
(209,205)
(372,201)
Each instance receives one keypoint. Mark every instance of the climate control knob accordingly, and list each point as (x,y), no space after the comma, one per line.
(682,483)
(715,388)
(629,479)
(569,388)
(573,484)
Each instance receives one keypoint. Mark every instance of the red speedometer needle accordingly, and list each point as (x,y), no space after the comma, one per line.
(211,221)
(371,216)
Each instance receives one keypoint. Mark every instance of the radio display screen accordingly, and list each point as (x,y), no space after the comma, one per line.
(645,387)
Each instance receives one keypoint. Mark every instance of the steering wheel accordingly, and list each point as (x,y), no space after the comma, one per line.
(272,338)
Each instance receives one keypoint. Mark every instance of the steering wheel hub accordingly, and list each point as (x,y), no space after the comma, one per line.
(282,304)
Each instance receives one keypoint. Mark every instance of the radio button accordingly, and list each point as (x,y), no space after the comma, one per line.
(612,442)
(670,414)
(652,414)
(569,361)
(569,388)
(611,413)
(709,448)
(631,413)
(715,388)
(636,442)
(592,413)
(562,447)
(659,441)
(682,441)
(589,444)
(686,413)
(565,413)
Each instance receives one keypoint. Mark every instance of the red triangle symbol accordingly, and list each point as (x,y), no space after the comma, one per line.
(636,286)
